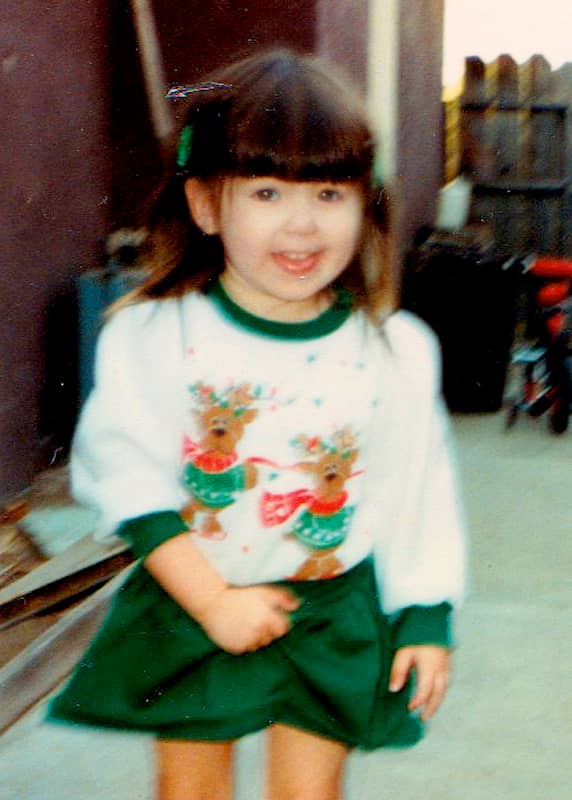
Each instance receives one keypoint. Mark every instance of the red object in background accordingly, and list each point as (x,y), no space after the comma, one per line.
(555,323)
(547,384)
(549,267)
(555,292)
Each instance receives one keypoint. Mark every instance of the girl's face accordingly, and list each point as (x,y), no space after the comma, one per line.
(285,242)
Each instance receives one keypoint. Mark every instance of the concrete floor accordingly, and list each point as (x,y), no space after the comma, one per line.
(505,731)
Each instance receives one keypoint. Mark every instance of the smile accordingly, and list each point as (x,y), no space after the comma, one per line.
(296,263)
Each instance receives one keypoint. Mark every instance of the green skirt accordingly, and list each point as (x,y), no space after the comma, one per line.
(152,669)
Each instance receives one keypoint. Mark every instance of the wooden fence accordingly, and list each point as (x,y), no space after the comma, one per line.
(508,129)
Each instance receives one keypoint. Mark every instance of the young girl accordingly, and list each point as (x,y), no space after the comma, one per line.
(267,434)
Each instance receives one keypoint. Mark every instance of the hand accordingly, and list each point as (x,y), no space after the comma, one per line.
(242,620)
(431,665)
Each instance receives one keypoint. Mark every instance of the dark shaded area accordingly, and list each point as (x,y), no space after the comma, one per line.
(58,396)
(470,301)
(54,93)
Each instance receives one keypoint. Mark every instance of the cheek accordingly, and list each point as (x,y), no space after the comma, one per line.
(349,233)
(349,223)
(242,233)
(235,242)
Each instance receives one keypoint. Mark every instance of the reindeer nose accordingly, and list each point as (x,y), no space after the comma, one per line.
(219,431)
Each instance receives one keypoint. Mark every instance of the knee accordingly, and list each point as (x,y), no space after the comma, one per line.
(302,794)
(303,766)
(196,770)
(303,790)
(169,787)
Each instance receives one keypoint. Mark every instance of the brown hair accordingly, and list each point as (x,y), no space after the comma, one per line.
(273,114)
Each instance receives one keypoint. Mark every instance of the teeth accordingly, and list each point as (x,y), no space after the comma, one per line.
(297,256)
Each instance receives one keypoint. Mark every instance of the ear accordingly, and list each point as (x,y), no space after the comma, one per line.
(353,457)
(249,415)
(203,205)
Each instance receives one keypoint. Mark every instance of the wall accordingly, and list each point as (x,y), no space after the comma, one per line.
(53,206)
(404,76)
(342,35)
(419,144)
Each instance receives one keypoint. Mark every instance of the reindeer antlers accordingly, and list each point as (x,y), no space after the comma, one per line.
(342,441)
(237,398)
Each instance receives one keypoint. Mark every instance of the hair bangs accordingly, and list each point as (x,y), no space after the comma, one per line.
(301,163)
(278,115)
(295,127)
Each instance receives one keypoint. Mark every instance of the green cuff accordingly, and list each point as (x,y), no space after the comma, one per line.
(146,533)
(423,625)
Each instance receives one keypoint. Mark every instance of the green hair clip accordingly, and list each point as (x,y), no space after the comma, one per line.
(185,146)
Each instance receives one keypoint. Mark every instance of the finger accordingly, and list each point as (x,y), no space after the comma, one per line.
(280,624)
(259,643)
(284,599)
(423,691)
(275,628)
(274,625)
(400,669)
(437,696)
(430,693)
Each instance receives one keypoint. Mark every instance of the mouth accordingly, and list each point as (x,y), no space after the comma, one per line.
(297,263)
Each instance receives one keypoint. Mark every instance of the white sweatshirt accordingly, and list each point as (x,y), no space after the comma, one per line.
(292,451)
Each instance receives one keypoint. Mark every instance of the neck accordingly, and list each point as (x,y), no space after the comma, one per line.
(277,309)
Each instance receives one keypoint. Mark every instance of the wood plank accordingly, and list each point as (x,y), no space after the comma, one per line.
(536,79)
(83,554)
(82,567)
(18,555)
(474,86)
(507,80)
(17,637)
(525,187)
(548,133)
(63,589)
(38,669)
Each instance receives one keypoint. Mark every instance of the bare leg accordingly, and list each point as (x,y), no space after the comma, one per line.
(193,770)
(303,766)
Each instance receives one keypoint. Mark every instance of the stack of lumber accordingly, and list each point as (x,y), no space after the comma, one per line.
(50,605)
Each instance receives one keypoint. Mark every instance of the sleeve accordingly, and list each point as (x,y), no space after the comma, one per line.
(125,452)
(418,625)
(420,553)
(147,532)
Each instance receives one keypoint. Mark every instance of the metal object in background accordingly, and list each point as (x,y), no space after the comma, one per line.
(546,366)
(97,289)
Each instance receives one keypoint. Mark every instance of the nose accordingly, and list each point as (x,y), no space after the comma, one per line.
(301,218)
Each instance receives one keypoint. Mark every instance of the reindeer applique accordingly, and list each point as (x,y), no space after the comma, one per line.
(324,522)
(212,471)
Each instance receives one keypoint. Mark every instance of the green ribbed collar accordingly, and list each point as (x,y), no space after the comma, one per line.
(333,318)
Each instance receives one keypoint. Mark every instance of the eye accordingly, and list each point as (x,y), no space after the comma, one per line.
(266,193)
(330,194)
